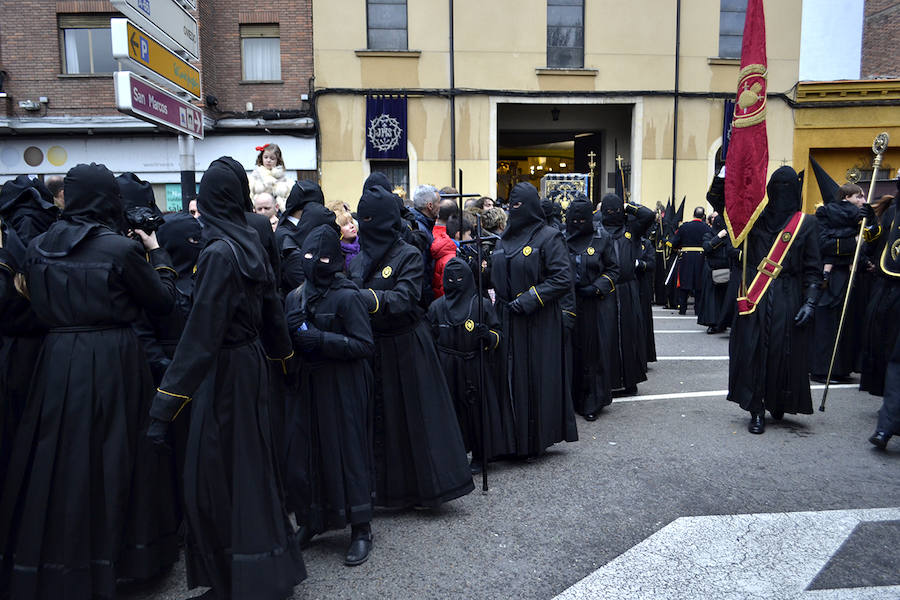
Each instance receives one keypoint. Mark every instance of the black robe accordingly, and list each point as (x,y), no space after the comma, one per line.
(881,327)
(644,271)
(534,352)
(689,240)
(595,274)
(330,470)
(420,458)
(623,320)
(87,500)
(238,534)
(769,354)
(457,346)
(717,304)
(838,229)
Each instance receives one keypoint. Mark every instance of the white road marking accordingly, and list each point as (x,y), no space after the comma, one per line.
(715,393)
(773,556)
(677,317)
(692,358)
(679,331)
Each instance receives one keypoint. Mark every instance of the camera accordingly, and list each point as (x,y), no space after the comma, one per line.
(141,217)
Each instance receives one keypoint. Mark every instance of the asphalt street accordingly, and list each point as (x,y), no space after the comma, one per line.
(660,484)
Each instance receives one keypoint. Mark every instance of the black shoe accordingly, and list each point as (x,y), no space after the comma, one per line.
(475,467)
(757,423)
(631,390)
(359,549)
(777,414)
(682,311)
(711,330)
(207,595)
(880,439)
(304,536)
(590,417)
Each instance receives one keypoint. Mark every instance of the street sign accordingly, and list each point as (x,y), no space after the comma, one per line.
(142,99)
(146,56)
(166,19)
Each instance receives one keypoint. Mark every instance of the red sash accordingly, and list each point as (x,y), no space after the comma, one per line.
(770,267)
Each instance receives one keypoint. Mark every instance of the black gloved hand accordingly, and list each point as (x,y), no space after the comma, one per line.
(309,340)
(484,333)
(368,299)
(588,290)
(805,314)
(867,212)
(515,307)
(158,434)
(295,319)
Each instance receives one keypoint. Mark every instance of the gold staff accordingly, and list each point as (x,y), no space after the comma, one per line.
(878,147)
(591,165)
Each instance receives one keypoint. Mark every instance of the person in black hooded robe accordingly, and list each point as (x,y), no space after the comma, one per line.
(332,417)
(84,499)
(839,223)
(420,458)
(239,540)
(459,335)
(595,270)
(292,271)
(622,318)
(23,215)
(288,239)
(718,301)
(533,282)
(769,347)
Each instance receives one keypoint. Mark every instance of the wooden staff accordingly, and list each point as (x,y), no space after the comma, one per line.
(878,147)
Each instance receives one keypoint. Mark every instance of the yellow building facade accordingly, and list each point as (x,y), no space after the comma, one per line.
(836,123)
(516,118)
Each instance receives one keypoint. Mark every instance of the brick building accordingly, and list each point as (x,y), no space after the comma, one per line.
(57,104)
(881,28)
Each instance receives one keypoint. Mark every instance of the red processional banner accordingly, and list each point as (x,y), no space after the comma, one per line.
(748,152)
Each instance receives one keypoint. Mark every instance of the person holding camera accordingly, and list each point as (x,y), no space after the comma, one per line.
(79,508)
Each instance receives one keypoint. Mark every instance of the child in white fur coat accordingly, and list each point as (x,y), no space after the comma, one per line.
(269,177)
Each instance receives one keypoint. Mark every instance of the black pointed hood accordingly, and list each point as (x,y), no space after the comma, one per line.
(93,201)
(239,172)
(579,224)
(25,209)
(784,194)
(828,187)
(304,192)
(313,216)
(612,210)
(525,220)
(379,226)
(322,242)
(180,237)
(222,214)
(459,290)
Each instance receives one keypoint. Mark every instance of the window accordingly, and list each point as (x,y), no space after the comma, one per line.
(386,24)
(260,53)
(397,172)
(86,44)
(565,34)
(731,27)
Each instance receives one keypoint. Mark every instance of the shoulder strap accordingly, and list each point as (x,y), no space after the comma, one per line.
(770,266)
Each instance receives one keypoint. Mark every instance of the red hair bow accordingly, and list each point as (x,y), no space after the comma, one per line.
(261,148)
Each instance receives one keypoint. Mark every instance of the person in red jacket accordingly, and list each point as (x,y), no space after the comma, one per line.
(443,248)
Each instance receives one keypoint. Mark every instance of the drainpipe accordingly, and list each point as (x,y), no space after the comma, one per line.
(452,105)
(675,120)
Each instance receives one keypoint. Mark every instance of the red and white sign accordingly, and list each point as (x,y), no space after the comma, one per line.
(142,99)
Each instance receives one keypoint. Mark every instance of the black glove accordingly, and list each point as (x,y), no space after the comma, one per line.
(588,290)
(805,314)
(867,212)
(484,333)
(295,319)
(640,265)
(368,299)
(515,307)
(158,434)
(309,340)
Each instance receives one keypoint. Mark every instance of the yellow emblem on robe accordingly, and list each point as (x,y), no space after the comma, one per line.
(895,250)
(628,234)
(470,325)
(526,250)
(386,272)
(590,250)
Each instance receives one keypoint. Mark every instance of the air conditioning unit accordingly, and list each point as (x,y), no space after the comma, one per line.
(29,105)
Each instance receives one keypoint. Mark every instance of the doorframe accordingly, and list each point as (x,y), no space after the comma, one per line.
(637,131)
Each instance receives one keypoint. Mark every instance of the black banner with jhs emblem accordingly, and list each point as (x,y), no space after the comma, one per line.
(386,127)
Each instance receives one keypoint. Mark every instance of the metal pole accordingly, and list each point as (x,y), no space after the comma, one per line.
(675,119)
(485,418)
(452,107)
(188,175)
